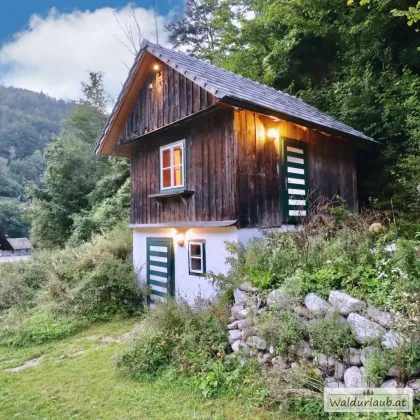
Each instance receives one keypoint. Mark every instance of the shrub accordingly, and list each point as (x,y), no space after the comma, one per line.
(330,336)
(377,366)
(283,329)
(59,292)
(147,355)
(229,377)
(110,289)
(188,339)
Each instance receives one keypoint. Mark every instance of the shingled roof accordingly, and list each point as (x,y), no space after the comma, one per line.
(19,244)
(234,89)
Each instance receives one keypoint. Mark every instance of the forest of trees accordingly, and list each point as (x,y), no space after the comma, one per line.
(28,121)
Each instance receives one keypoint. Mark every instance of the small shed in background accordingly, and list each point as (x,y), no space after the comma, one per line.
(15,246)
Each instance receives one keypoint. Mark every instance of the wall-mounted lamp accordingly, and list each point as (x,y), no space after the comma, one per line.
(272,133)
(157,69)
(180,238)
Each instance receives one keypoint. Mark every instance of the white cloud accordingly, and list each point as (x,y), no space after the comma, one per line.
(55,52)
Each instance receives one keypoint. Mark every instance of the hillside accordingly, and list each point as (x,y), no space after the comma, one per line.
(28,120)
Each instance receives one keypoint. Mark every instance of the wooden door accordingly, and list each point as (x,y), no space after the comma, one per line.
(160,268)
(295,175)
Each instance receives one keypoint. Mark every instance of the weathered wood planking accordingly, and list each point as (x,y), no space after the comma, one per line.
(211,172)
(164,99)
(331,162)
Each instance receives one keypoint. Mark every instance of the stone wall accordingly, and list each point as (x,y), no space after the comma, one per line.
(367,323)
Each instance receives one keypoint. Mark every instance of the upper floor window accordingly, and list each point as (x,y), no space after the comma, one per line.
(172,165)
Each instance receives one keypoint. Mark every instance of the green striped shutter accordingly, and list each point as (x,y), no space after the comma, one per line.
(160,268)
(295,175)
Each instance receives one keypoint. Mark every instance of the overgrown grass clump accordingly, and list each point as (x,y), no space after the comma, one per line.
(191,341)
(58,293)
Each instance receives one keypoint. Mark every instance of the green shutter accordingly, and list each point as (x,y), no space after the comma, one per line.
(160,268)
(295,176)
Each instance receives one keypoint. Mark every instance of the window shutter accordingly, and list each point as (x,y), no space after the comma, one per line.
(295,175)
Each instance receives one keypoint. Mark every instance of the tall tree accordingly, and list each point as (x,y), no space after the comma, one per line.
(356,62)
(76,181)
(203,29)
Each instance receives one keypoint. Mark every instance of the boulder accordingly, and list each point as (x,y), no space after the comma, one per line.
(368,352)
(243,324)
(333,383)
(239,296)
(240,345)
(304,350)
(339,319)
(322,360)
(236,311)
(339,371)
(364,329)
(302,311)
(392,339)
(344,303)
(392,383)
(383,318)
(248,287)
(233,325)
(325,361)
(353,378)
(257,342)
(316,305)
(294,365)
(264,358)
(279,363)
(277,299)
(352,357)
(234,335)
(414,384)
(393,371)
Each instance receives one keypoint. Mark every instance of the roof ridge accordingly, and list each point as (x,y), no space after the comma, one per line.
(230,86)
(230,72)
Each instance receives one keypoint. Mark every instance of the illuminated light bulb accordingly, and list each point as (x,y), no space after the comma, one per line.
(272,133)
(179,238)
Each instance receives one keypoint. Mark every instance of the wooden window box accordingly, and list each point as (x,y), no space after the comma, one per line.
(166,195)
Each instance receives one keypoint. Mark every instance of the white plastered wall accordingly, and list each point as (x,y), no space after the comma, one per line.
(187,286)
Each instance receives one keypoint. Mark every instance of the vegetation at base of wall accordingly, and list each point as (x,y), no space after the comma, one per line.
(191,341)
(58,293)
(378,264)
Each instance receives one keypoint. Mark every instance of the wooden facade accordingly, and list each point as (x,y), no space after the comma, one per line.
(331,166)
(233,170)
(210,172)
(166,97)
(233,167)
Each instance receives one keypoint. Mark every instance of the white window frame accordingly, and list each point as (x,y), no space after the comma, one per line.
(172,167)
(201,258)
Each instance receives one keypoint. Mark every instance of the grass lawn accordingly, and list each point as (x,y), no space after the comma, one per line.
(76,379)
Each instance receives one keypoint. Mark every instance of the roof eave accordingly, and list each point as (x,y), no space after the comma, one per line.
(288,117)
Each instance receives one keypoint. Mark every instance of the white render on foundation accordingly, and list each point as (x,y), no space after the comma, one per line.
(187,286)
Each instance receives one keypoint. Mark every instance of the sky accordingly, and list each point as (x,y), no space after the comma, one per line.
(51,45)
